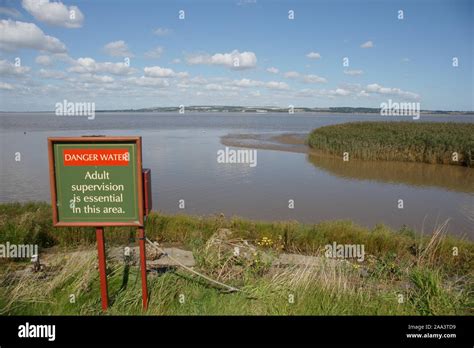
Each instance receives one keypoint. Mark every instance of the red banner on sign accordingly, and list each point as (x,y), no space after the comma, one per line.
(96,157)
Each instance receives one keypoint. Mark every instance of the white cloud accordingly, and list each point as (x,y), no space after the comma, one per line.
(292,74)
(155,53)
(52,74)
(378,89)
(332,93)
(92,78)
(276,85)
(254,83)
(145,81)
(214,87)
(368,44)
(273,70)
(156,71)
(233,60)
(117,49)
(6,86)
(17,35)
(339,92)
(48,60)
(305,78)
(357,91)
(353,72)
(162,31)
(63,57)
(313,55)
(176,61)
(314,79)
(197,80)
(11,70)
(89,65)
(44,60)
(54,13)
(246,83)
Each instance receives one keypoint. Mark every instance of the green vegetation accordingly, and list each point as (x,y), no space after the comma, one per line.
(428,142)
(426,271)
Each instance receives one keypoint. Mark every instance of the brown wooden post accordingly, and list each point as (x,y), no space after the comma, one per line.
(141,241)
(99,232)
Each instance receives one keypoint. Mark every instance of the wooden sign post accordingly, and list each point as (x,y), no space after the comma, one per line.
(98,181)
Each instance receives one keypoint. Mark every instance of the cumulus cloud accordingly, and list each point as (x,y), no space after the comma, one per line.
(353,72)
(52,74)
(339,92)
(156,71)
(145,81)
(331,93)
(11,70)
(292,74)
(367,44)
(276,85)
(44,60)
(378,89)
(305,78)
(99,79)
(162,31)
(313,79)
(155,53)
(54,13)
(233,60)
(48,60)
(273,70)
(6,86)
(117,49)
(245,83)
(313,55)
(356,90)
(17,35)
(214,87)
(89,65)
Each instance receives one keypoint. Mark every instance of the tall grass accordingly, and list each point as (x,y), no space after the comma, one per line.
(30,223)
(432,278)
(428,142)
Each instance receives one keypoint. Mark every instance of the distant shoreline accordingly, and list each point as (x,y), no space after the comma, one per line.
(264,110)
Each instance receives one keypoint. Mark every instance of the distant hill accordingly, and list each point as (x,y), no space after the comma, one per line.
(265,109)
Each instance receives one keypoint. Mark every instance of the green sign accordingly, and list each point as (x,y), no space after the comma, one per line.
(97,183)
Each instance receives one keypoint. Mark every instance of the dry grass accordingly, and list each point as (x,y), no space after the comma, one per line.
(75,270)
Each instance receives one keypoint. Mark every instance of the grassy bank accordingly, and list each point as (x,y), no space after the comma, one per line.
(428,142)
(423,270)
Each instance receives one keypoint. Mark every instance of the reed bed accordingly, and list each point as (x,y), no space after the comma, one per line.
(428,142)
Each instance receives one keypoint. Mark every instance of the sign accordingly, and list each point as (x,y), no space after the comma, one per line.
(96,181)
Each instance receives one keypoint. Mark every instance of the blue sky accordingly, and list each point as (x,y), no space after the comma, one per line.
(132,54)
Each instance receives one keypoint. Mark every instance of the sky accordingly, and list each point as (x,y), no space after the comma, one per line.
(135,54)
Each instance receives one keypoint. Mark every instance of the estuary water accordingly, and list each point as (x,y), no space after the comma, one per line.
(181,151)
